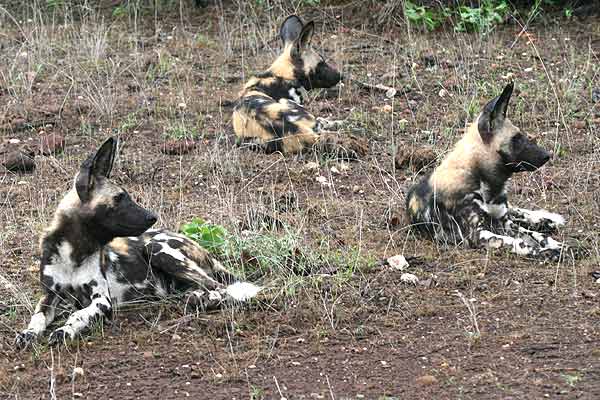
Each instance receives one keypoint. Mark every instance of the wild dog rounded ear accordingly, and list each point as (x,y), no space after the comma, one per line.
(97,165)
(493,114)
(105,158)
(306,34)
(290,29)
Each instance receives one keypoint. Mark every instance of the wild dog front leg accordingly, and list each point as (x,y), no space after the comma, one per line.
(536,220)
(44,314)
(100,307)
(477,214)
(493,240)
(549,248)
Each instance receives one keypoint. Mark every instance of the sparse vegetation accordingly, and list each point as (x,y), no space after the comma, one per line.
(333,321)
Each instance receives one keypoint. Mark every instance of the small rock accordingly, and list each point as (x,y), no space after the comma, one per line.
(409,278)
(397,262)
(415,158)
(579,124)
(426,380)
(175,337)
(387,108)
(17,161)
(443,93)
(322,180)
(52,143)
(19,367)
(147,354)
(596,95)
(78,373)
(311,165)
(178,147)
(391,92)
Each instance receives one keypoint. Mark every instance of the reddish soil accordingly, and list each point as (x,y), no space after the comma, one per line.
(349,331)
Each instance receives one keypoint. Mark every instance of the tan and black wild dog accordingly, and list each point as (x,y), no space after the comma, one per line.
(269,112)
(98,253)
(464,199)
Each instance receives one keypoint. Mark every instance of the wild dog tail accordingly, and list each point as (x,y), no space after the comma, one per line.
(242,291)
(235,289)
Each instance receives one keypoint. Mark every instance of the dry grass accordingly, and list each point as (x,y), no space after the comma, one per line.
(149,79)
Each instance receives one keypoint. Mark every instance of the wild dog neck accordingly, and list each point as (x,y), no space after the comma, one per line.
(471,166)
(276,87)
(71,229)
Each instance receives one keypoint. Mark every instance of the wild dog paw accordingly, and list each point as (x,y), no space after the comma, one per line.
(206,299)
(25,339)
(346,147)
(61,336)
(536,220)
(550,255)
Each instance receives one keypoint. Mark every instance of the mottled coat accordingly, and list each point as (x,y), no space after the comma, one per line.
(464,198)
(269,112)
(98,254)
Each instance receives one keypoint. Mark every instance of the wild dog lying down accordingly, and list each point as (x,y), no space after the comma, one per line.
(98,253)
(464,199)
(269,111)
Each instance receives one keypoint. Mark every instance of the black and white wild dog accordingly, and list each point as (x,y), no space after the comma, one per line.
(464,199)
(269,112)
(98,254)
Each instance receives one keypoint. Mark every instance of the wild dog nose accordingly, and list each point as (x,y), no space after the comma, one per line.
(546,157)
(151,218)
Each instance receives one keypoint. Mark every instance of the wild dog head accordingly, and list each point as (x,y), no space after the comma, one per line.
(301,62)
(513,150)
(106,208)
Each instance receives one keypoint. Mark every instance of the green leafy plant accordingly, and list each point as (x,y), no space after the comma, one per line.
(54,3)
(212,237)
(568,12)
(120,11)
(422,16)
(180,131)
(483,18)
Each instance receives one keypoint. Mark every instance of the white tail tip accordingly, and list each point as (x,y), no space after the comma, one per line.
(242,291)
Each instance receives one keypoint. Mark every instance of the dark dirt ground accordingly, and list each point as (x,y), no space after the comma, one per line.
(358,335)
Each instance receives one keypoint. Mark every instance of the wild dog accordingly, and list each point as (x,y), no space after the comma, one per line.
(269,112)
(98,253)
(464,198)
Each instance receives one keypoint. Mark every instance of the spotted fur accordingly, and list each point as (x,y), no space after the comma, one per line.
(464,199)
(98,254)
(269,112)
